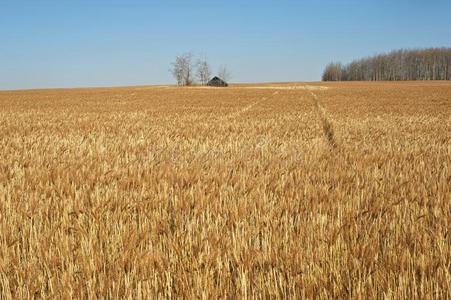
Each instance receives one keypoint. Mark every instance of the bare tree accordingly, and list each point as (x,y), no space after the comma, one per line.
(182,69)
(224,73)
(203,71)
(333,72)
(416,64)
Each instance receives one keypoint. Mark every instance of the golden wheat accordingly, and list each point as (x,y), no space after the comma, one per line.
(167,192)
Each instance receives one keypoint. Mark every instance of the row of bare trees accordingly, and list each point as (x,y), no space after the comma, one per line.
(188,71)
(418,64)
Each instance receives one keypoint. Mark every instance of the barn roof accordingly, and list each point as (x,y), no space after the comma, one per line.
(216,81)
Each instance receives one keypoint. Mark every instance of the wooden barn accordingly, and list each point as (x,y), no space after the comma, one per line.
(218,82)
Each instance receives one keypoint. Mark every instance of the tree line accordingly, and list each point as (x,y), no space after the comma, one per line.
(189,71)
(416,64)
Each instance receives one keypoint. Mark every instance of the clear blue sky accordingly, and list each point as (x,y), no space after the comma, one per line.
(72,43)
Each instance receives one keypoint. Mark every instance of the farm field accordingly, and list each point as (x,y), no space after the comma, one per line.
(316,190)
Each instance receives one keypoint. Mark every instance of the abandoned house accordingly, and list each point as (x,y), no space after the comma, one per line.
(216,81)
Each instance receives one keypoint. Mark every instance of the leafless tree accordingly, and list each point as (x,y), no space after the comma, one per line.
(416,64)
(203,71)
(182,69)
(333,72)
(224,73)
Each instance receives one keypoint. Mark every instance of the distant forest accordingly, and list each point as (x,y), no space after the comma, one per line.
(418,64)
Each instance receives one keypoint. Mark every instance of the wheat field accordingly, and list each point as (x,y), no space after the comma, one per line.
(337,190)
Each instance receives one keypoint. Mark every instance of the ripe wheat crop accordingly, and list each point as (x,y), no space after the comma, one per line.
(164,192)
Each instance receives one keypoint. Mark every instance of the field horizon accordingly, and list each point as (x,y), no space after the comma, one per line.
(233,85)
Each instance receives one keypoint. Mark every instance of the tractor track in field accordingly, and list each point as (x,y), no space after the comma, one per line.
(238,113)
(326,123)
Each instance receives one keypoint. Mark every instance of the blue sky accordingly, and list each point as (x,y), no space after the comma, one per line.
(68,43)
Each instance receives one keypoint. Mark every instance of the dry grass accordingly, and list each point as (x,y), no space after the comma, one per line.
(223,193)
(328,128)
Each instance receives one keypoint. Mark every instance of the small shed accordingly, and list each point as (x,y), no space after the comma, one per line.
(218,82)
